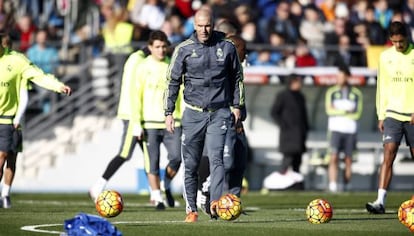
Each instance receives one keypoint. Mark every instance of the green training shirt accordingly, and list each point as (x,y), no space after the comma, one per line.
(395,84)
(131,64)
(148,95)
(16,70)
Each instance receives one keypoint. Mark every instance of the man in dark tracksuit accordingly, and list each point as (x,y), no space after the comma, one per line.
(209,67)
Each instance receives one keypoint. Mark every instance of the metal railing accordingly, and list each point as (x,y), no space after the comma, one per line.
(83,101)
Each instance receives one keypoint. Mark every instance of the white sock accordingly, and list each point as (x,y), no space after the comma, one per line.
(333,187)
(100,185)
(5,191)
(382,194)
(156,195)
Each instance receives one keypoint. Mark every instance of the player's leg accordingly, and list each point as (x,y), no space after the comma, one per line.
(172,142)
(6,147)
(286,163)
(215,140)
(393,132)
(128,144)
(9,173)
(240,162)
(334,148)
(10,170)
(193,133)
(152,143)
(296,162)
(203,193)
(349,149)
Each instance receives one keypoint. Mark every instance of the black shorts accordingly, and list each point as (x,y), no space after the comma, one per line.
(343,142)
(11,139)
(394,130)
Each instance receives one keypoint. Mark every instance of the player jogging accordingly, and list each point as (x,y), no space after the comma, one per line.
(128,141)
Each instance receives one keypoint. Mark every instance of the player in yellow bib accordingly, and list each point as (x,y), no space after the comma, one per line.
(16,71)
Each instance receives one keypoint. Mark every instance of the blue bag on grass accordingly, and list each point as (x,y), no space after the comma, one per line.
(85,225)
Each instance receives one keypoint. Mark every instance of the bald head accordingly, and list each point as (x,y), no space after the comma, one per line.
(203,24)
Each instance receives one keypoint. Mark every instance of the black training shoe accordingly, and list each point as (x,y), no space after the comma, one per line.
(375,208)
(160,206)
(205,203)
(170,198)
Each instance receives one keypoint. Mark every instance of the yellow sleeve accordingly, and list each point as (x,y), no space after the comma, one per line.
(136,93)
(37,76)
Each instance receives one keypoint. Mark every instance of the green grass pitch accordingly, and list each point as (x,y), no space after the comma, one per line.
(277,213)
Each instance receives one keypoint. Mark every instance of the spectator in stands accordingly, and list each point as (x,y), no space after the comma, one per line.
(408,13)
(394,105)
(280,23)
(269,57)
(24,31)
(116,32)
(151,16)
(249,32)
(328,9)
(244,15)
(358,10)
(45,57)
(331,41)
(222,9)
(383,14)
(312,29)
(14,99)
(343,55)
(301,56)
(6,15)
(376,33)
(227,27)
(289,113)
(343,105)
(296,14)
(173,28)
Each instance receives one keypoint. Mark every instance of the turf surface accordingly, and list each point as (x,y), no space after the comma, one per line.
(277,213)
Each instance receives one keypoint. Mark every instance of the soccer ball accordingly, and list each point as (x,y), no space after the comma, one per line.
(229,207)
(319,211)
(406,214)
(109,203)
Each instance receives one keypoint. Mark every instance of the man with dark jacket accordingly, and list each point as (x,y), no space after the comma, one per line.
(289,113)
(208,66)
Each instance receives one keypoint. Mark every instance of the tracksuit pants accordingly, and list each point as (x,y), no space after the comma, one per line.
(199,127)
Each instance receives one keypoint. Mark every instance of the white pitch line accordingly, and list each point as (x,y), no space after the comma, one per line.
(34,228)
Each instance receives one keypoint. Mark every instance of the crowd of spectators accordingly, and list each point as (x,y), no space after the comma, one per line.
(278,32)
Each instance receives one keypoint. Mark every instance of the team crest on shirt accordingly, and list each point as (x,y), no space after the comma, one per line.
(194,54)
(219,54)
